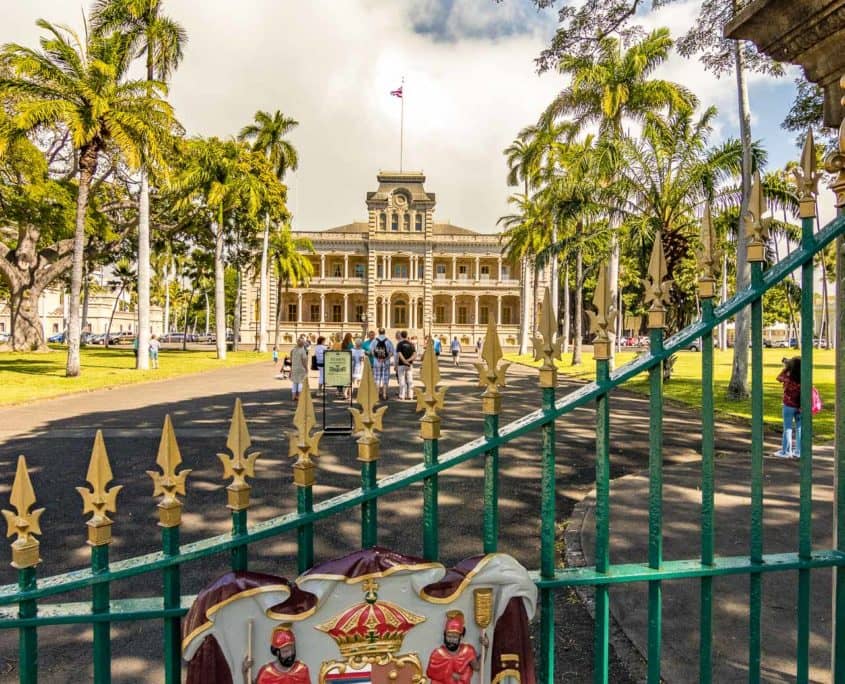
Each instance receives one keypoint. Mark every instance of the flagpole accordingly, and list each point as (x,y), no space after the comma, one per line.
(402,127)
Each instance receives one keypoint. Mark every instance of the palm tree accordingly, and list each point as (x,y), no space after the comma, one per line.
(123,276)
(291,266)
(615,84)
(82,85)
(222,176)
(268,137)
(160,40)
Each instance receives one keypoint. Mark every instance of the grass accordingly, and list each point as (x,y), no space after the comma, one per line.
(26,377)
(685,385)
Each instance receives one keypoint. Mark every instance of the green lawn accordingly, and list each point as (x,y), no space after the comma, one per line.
(28,377)
(685,385)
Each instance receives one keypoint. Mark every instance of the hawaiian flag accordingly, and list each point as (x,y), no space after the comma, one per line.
(397,92)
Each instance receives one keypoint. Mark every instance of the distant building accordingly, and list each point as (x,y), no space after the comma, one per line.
(399,269)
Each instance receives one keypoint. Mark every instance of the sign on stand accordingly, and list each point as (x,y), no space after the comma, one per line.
(337,379)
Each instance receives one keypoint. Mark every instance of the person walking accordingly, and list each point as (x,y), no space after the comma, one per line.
(406,353)
(382,352)
(319,360)
(154,347)
(455,348)
(790,377)
(275,356)
(298,367)
(437,346)
(478,345)
(367,344)
(358,362)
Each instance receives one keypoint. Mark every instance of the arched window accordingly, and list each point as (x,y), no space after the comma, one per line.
(382,221)
(394,221)
(418,223)
(400,313)
(406,223)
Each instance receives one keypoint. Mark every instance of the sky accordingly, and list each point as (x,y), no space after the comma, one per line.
(470,85)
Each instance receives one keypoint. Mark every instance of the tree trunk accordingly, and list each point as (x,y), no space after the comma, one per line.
(613,276)
(554,280)
(111,318)
(27,333)
(264,290)
(236,316)
(207,314)
(723,326)
(524,329)
(738,385)
(577,343)
(86,288)
(87,168)
(219,288)
(535,296)
(166,323)
(143,332)
(566,307)
(187,318)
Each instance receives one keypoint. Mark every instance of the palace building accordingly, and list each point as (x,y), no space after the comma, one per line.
(399,269)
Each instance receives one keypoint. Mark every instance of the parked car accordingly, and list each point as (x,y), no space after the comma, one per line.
(4,337)
(58,338)
(172,337)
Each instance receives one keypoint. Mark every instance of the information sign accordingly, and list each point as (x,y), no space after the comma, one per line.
(337,368)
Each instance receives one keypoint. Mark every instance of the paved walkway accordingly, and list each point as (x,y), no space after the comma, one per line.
(56,436)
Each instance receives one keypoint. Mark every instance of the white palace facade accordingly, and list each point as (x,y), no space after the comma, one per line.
(398,270)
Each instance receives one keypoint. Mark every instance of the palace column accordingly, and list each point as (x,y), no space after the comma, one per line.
(322,266)
(385,302)
(322,308)
(452,320)
(299,308)
(475,320)
(345,266)
(478,268)
(388,273)
(499,268)
(454,268)
(499,310)
(345,316)
(412,267)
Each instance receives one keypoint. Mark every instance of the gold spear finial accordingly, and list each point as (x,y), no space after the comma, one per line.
(834,162)
(547,345)
(807,178)
(99,500)
(657,287)
(708,256)
(491,375)
(23,522)
(303,444)
(756,227)
(430,399)
(603,319)
(368,418)
(169,484)
(240,465)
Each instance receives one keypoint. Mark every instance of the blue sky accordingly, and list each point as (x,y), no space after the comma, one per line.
(470,85)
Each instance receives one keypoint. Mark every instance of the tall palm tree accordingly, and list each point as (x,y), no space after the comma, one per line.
(291,266)
(82,84)
(219,177)
(267,134)
(615,84)
(160,41)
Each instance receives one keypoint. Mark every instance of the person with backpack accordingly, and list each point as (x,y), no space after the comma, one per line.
(406,353)
(382,352)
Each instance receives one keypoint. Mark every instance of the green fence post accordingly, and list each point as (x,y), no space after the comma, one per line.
(304,447)
(657,294)
(100,501)
(429,400)
(547,348)
(491,376)
(24,522)
(238,466)
(835,164)
(168,484)
(368,419)
(807,191)
(601,323)
(708,259)
(757,257)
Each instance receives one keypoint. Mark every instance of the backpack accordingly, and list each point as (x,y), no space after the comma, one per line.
(816,401)
(380,349)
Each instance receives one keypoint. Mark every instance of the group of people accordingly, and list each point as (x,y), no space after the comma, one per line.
(154,346)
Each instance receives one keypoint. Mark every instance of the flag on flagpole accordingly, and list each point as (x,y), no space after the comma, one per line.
(397,92)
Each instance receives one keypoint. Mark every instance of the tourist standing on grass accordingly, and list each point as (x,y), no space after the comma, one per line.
(319,360)
(382,352)
(298,367)
(154,347)
(406,353)
(456,351)
(790,376)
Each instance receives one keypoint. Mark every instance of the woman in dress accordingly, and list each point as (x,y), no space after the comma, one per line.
(298,368)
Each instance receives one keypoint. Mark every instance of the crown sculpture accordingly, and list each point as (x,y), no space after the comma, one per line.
(371,631)
(603,318)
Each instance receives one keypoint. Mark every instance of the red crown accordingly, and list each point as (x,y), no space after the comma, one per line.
(370,627)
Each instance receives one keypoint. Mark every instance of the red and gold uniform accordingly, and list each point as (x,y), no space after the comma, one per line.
(271,674)
(443,663)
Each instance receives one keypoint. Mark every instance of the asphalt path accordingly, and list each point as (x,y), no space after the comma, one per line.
(57,435)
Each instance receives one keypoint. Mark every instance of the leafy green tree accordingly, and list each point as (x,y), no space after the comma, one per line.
(122,280)
(160,41)
(291,266)
(83,86)
(268,135)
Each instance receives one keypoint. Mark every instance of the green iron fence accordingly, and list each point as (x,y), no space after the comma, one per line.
(26,607)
